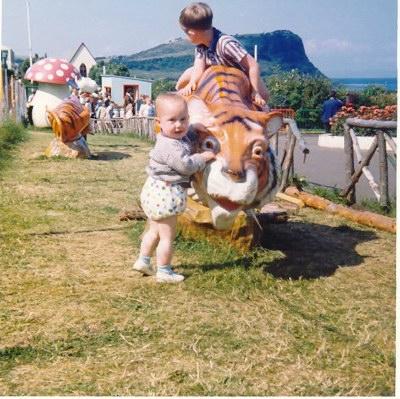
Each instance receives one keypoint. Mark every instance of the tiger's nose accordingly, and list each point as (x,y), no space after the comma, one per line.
(236,175)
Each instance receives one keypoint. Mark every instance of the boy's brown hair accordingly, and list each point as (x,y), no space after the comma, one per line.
(196,16)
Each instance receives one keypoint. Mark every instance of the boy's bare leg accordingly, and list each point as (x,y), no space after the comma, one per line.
(264,93)
(166,232)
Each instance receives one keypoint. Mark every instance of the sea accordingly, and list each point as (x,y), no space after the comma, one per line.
(358,84)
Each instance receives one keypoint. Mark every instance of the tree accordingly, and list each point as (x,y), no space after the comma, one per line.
(376,95)
(111,69)
(161,86)
(25,64)
(303,93)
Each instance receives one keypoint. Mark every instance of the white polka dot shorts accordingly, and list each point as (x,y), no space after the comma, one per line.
(160,199)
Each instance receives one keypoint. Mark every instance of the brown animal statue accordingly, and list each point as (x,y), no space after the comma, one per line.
(245,173)
(69,120)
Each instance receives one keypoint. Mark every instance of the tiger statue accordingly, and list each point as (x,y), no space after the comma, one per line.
(70,124)
(69,120)
(245,173)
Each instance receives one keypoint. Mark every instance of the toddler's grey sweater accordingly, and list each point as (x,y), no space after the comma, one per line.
(173,161)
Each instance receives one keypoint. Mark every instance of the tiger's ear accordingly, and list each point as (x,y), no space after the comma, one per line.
(203,131)
(157,127)
(200,128)
(272,121)
(199,112)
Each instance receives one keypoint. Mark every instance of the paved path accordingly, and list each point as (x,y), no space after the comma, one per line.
(326,166)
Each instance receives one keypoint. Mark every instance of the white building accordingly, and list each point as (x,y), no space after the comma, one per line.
(10,57)
(118,86)
(83,60)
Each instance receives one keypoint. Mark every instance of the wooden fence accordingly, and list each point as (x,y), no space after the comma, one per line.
(287,159)
(14,102)
(141,126)
(351,147)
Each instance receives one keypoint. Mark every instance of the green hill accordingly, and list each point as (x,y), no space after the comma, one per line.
(278,50)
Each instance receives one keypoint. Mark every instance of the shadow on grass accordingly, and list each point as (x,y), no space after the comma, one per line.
(309,251)
(109,156)
(244,263)
(117,145)
(312,250)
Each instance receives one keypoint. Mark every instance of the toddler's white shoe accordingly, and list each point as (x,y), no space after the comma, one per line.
(144,268)
(167,275)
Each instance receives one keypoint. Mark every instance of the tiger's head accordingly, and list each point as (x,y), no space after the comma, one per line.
(245,173)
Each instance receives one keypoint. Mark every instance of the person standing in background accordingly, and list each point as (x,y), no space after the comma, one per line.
(147,109)
(329,109)
(29,106)
(138,103)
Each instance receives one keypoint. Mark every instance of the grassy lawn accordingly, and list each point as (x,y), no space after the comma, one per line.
(311,312)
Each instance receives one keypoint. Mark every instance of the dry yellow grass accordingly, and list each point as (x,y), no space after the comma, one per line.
(311,313)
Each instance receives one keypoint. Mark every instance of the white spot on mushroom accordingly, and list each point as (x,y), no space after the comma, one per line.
(52,59)
(39,76)
(48,67)
(50,76)
(59,72)
(41,62)
(64,66)
(29,75)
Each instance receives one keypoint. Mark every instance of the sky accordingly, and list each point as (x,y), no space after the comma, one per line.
(342,38)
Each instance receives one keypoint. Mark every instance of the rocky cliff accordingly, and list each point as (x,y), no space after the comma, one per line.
(279,50)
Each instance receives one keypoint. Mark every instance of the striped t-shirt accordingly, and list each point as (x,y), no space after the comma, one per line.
(223,50)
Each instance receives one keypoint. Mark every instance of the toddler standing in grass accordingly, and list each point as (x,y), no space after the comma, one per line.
(163,196)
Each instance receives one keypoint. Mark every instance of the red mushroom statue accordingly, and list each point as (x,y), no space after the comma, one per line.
(52,75)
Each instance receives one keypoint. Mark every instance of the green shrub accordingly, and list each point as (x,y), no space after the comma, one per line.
(112,68)
(370,96)
(11,134)
(161,86)
(376,95)
(303,93)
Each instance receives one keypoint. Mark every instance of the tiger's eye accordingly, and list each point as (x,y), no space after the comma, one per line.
(210,143)
(258,151)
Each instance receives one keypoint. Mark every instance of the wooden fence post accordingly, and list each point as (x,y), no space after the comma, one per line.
(287,160)
(349,163)
(365,170)
(274,142)
(383,170)
(359,170)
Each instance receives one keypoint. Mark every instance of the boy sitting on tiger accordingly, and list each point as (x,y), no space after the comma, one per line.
(215,48)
